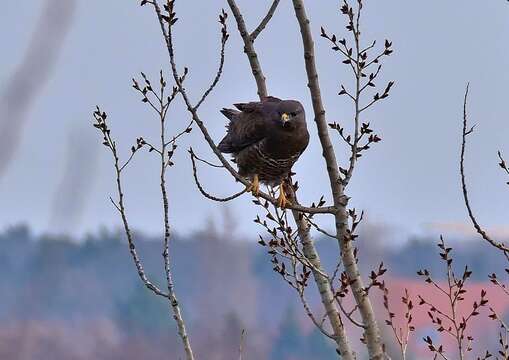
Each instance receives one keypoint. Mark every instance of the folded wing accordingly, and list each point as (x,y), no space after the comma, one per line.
(247,126)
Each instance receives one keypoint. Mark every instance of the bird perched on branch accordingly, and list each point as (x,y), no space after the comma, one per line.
(266,138)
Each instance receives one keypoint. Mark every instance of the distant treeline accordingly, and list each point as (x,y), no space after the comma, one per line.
(82,299)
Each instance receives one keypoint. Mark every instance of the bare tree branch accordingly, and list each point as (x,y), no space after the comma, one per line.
(324,287)
(224,39)
(177,314)
(310,314)
(303,230)
(372,333)
(249,50)
(264,21)
(165,155)
(402,336)
(451,320)
(101,124)
(465,132)
(202,190)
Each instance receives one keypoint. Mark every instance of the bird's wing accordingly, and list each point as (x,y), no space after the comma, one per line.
(257,106)
(247,127)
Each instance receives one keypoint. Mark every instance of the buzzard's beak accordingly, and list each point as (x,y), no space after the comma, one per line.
(285,117)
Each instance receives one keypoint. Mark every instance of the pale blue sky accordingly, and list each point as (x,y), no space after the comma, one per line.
(408,180)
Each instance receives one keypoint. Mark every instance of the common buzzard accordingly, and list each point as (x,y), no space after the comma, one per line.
(266,138)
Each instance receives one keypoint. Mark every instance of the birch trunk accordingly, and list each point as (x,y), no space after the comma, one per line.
(372,332)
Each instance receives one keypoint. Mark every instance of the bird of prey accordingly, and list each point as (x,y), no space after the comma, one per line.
(266,138)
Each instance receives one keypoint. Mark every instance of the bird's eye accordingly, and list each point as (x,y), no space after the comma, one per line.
(292,114)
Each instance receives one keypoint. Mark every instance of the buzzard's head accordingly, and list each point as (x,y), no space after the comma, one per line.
(290,115)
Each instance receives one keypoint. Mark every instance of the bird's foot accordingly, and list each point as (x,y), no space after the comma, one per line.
(254,188)
(282,200)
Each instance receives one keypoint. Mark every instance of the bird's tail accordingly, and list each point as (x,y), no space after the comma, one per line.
(230,114)
(225,146)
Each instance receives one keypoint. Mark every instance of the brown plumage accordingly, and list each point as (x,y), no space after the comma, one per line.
(266,138)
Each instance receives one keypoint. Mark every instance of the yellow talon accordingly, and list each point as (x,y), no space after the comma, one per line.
(254,188)
(282,200)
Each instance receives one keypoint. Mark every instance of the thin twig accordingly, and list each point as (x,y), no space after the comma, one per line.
(187,130)
(206,161)
(502,247)
(202,190)
(451,321)
(318,228)
(100,118)
(349,314)
(177,313)
(224,39)
(309,313)
(402,336)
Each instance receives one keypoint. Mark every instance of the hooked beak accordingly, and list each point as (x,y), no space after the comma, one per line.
(285,118)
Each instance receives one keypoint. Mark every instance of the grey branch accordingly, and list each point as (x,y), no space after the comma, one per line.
(372,333)
(264,21)
(174,304)
(249,50)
